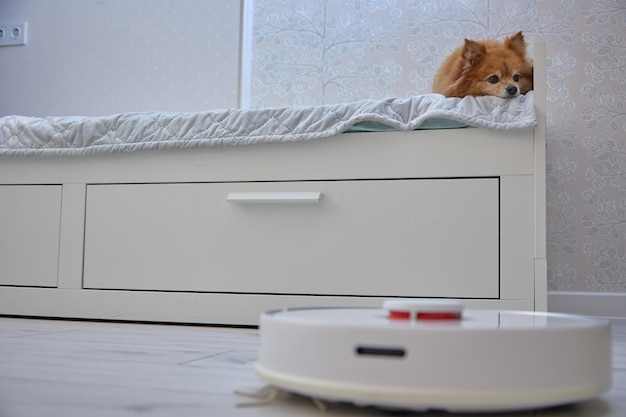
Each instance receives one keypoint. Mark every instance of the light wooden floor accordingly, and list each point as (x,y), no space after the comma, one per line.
(91,369)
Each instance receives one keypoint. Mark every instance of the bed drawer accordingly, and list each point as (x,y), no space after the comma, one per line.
(29,234)
(431,238)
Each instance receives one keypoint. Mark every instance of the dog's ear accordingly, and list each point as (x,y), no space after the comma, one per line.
(516,43)
(473,51)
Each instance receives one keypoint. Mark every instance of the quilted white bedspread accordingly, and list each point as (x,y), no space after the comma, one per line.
(22,136)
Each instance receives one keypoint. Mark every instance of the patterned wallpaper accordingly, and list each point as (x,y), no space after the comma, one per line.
(327,51)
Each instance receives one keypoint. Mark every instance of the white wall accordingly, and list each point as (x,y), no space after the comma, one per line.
(98,57)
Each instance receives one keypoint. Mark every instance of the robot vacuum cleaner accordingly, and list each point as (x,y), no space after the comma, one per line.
(433,354)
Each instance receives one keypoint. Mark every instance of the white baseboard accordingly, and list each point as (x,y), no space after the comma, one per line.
(588,303)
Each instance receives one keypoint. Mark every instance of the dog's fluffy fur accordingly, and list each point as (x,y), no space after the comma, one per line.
(479,68)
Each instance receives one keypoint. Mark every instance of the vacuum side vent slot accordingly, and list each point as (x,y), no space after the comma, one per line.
(382,351)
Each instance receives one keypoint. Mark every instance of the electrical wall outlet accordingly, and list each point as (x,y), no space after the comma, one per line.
(12,34)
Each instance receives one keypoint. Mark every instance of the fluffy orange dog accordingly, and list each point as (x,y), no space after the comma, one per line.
(480,68)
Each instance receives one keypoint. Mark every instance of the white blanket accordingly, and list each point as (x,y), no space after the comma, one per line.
(21,135)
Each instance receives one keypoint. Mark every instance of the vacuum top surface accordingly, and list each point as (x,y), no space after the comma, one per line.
(469,319)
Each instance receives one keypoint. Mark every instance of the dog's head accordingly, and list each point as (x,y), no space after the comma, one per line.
(496,68)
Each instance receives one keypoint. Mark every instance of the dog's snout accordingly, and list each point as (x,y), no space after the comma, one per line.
(511,90)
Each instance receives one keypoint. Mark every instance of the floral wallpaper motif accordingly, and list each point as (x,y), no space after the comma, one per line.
(325,51)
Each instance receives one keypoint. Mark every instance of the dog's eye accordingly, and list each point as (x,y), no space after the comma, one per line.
(494,79)
(516,78)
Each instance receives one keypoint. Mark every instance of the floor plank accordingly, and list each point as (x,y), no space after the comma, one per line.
(77,368)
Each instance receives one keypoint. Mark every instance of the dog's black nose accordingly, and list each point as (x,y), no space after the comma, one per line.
(511,90)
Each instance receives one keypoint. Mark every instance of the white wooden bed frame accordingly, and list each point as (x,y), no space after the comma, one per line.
(84,237)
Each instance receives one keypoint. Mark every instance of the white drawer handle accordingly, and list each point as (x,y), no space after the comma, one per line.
(297,197)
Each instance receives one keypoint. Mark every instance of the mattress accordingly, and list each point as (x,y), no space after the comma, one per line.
(78,135)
